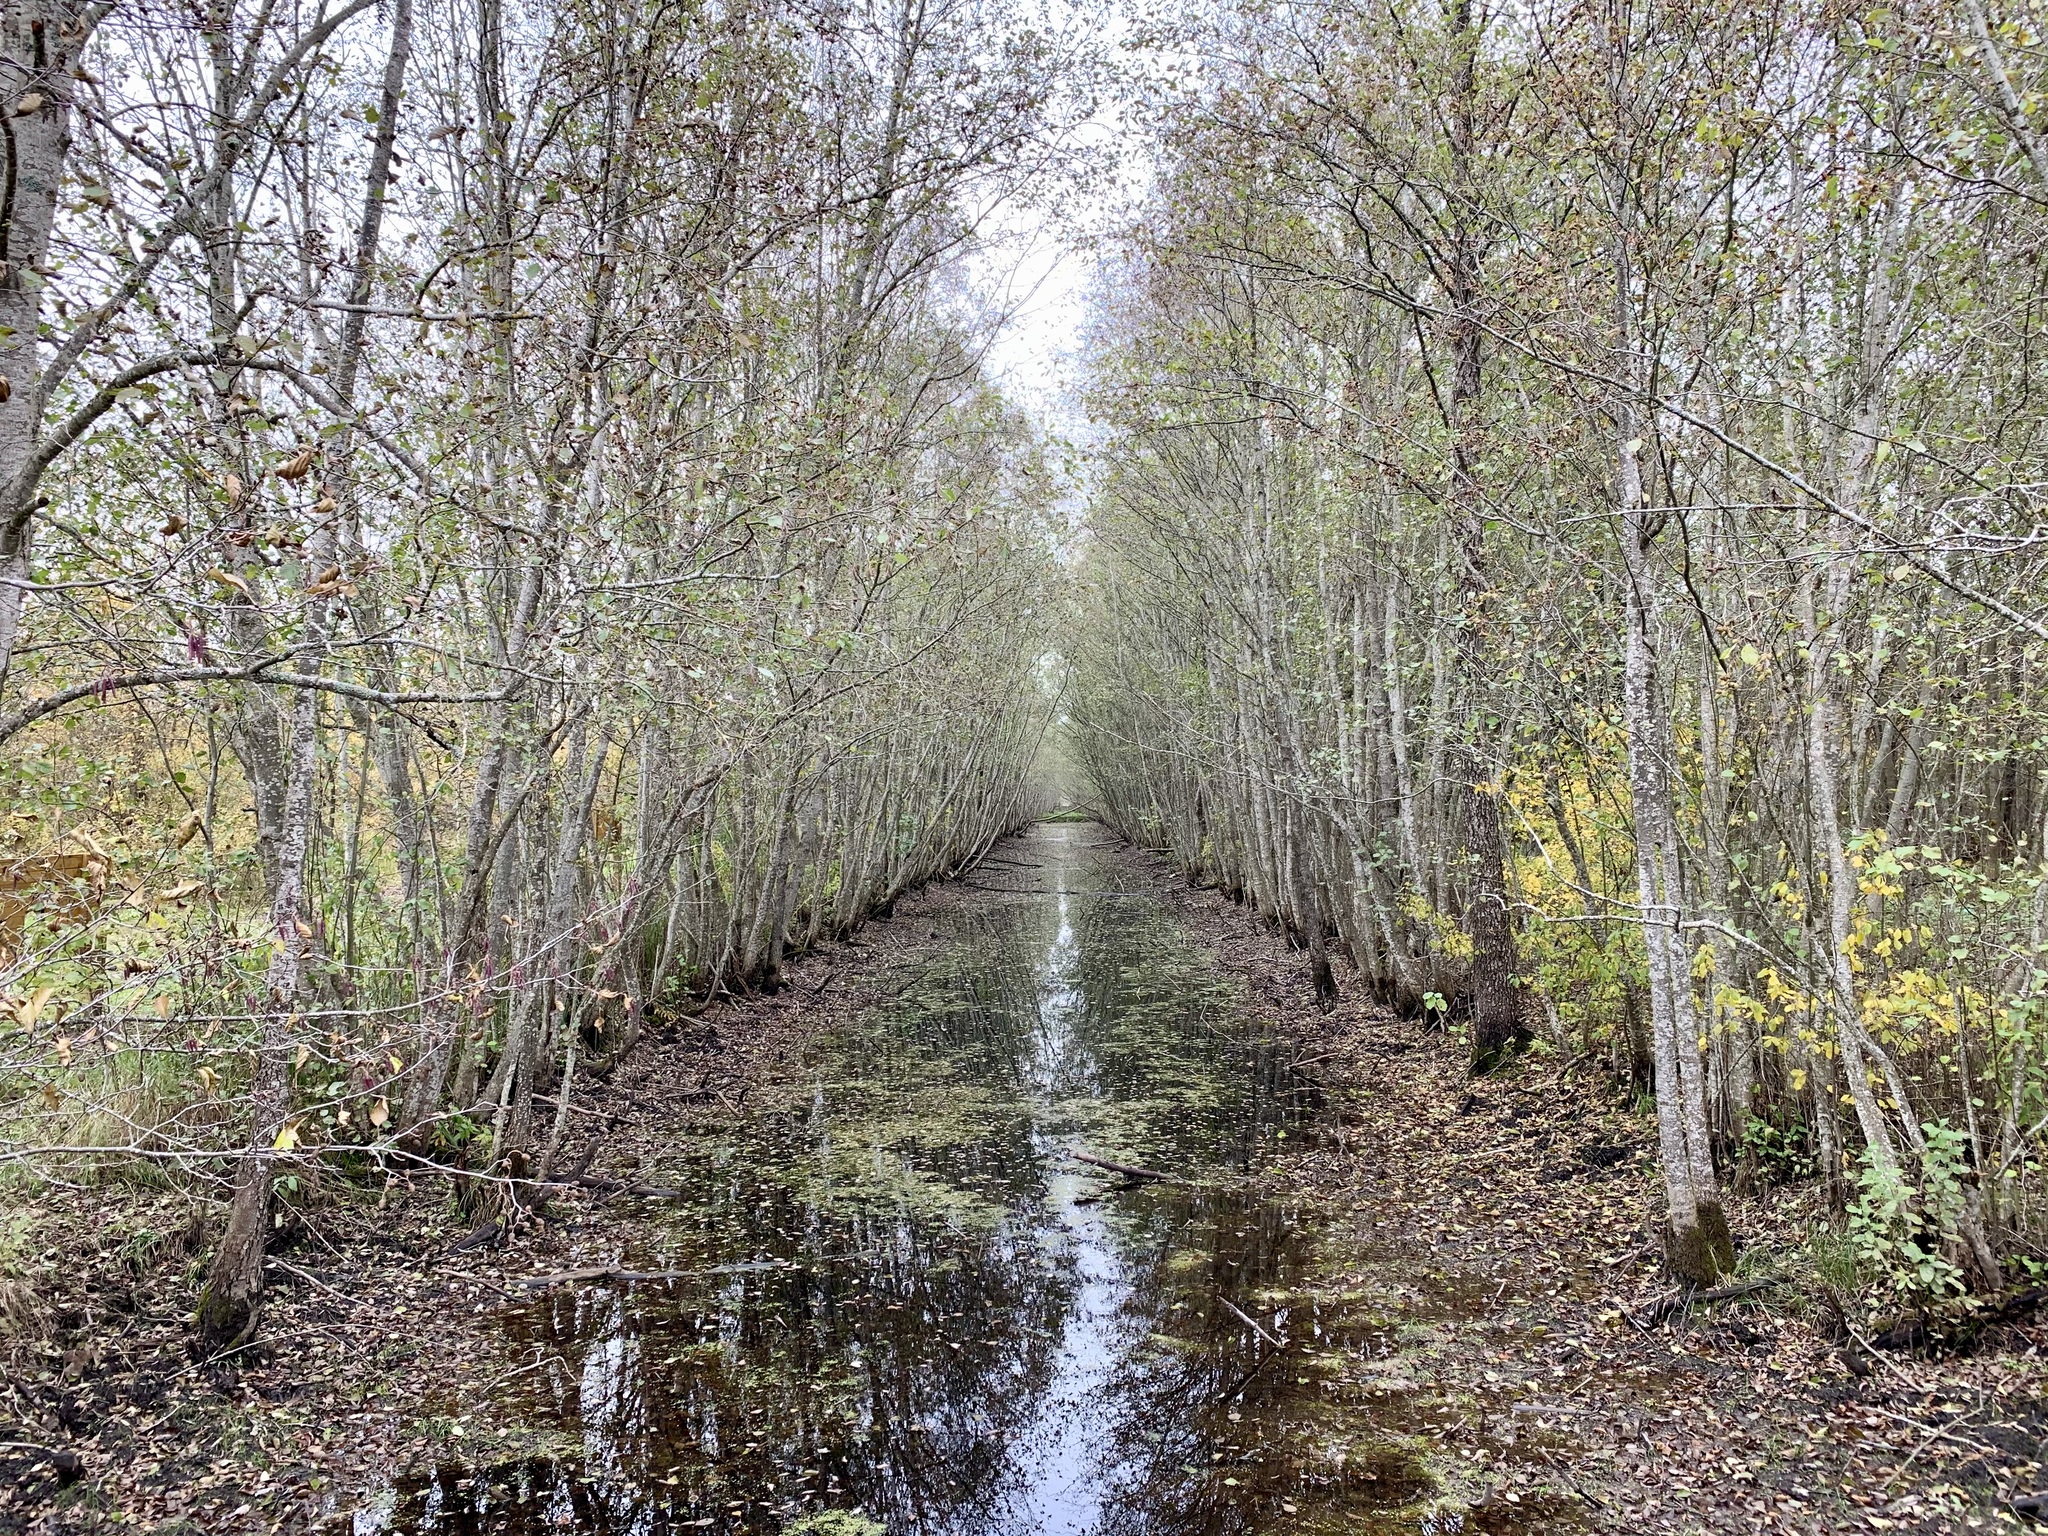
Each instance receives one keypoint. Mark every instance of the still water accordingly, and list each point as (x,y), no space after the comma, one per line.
(905,1306)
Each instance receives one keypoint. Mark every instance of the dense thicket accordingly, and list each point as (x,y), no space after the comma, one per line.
(504,529)
(1571,542)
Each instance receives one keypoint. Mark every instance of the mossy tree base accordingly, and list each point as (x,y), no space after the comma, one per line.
(1703,1252)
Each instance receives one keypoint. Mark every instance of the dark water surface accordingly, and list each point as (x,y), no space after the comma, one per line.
(910,1309)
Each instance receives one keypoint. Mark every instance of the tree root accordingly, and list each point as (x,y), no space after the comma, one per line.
(1685,1300)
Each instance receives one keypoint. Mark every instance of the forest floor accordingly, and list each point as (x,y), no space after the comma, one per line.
(1506,1221)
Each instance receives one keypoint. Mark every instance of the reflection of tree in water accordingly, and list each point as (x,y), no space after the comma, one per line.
(1174,1410)
(895,1365)
(902,1354)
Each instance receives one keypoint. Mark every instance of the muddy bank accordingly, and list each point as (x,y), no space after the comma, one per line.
(1368,1294)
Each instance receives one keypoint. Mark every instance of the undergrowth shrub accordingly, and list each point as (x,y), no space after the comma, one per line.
(1899,1230)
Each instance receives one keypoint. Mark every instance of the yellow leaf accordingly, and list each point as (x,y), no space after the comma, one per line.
(288,1137)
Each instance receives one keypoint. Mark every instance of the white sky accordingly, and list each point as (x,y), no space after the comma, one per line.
(1036,260)
(1040,274)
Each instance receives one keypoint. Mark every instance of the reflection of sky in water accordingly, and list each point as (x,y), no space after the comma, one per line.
(1060,1464)
(927,1312)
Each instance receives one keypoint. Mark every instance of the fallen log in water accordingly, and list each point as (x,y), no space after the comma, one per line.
(1128,1170)
(606,1274)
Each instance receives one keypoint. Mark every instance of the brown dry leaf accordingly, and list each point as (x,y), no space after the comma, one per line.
(30,1008)
(230,579)
(295,467)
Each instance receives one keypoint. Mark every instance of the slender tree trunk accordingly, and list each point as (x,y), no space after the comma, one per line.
(230,1302)
(1699,1248)
(40,41)
(1498,1023)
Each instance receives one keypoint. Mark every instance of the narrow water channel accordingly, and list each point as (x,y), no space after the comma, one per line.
(905,1305)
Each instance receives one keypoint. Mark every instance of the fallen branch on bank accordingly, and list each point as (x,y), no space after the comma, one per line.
(2033,1505)
(68,1465)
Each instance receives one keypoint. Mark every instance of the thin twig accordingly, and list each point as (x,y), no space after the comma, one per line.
(1250,1322)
